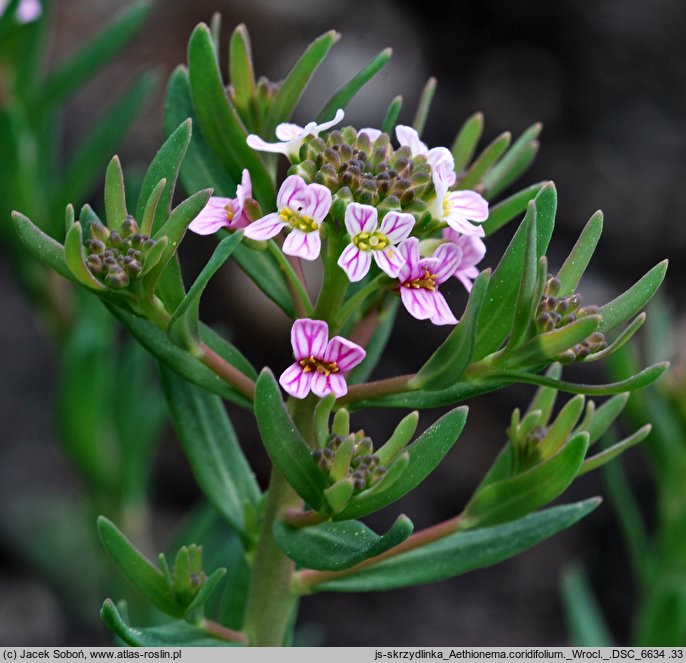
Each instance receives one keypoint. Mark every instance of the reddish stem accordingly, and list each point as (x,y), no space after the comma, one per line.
(223,633)
(378,388)
(240,382)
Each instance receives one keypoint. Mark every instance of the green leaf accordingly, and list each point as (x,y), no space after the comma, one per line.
(173,634)
(545,397)
(629,303)
(69,76)
(241,73)
(184,326)
(558,432)
(205,592)
(142,573)
(286,447)
(605,416)
(514,163)
(322,412)
(401,436)
(466,141)
(336,546)
(210,443)
(484,161)
(157,343)
(516,496)
(459,553)
(201,169)
(506,210)
(392,114)
(343,96)
(425,453)
(95,149)
(576,263)
(165,166)
(218,119)
(448,362)
(605,456)
(297,79)
(115,197)
(424,105)
(73,253)
(498,310)
(622,339)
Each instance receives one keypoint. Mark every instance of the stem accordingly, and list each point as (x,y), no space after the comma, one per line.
(240,382)
(305,581)
(301,298)
(334,284)
(356,301)
(299,518)
(222,632)
(270,601)
(378,388)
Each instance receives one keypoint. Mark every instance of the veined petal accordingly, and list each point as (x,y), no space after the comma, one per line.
(303,245)
(319,202)
(355,263)
(469,204)
(292,193)
(442,314)
(212,217)
(473,248)
(462,225)
(360,218)
(287,131)
(389,260)
(409,136)
(309,338)
(265,228)
(409,250)
(441,161)
(295,381)
(467,276)
(448,258)
(340,114)
(397,226)
(372,134)
(417,303)
(246,184)
(257,143)
(323,385)
(345,353)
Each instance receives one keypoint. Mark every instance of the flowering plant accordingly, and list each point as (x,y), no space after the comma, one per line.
(389,220)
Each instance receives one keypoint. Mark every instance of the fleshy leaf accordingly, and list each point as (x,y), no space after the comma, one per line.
(466,141)
(424,105)
(622,338)
(212,448)
(241,74)
(205,592)
(575,265)
(604,417)
(562,427)
(115,198)
(286,447)
(336,546)
(506,210)
(73,252)
(392,114)
(42,246)
(484,161)
(401,436)
(605,456)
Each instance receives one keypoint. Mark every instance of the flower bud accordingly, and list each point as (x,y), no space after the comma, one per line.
(129,226)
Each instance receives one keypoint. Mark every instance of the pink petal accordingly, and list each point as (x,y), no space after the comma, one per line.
(345,353)
(292,193)
(462,225)
(467,276)
(246,185)
(288,132)
(355,263)
(28,10)
(323,385)
(373,134)
(397,226)
(318,203)
(212,217)
(295,381)
(309,338)
(258,144)
(265,228)
(303,245)
(442,313)
(448,256)
(469,204)
(340,114)
(473,248)
(409,250)
(409,136)
(442,163)
(416,301)
(389,260)
(360,219)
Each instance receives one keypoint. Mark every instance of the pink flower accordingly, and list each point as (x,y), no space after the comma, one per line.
(473,250)
(420,277)
(27,11)
(368,240)
(372,133)
(302,208)
(292,136)
(439,158)
(319,363)
(458,208)
(224,212)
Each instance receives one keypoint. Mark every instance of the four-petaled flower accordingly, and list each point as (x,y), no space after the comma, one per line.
(292,136)
(302,208)
(458,208)
(473,250)
(319,362)
(369,240)
(420,277)
(224,212)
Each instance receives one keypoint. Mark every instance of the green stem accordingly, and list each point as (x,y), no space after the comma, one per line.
(334,284)
(355,302)
(301,298)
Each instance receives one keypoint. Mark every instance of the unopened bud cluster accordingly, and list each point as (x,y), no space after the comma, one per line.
(351,458)
(554,312)
(116,257)
(372,173)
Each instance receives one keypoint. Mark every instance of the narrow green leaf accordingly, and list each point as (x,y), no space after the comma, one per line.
(156,342)
(466,141)
(461,552)
(218,119)
(142,573)
(178,633)
(284,444)
(212,448)
(512,498)
(545,397)
(115,197)
(506,210)
(184,326)
(401,436)
(147,221)
(392,114)
(227,351)
(342,97)
(297,79)
(322,412)
(484,161)
(425,453)
(241,73)
(69,76)
(576,263)
(446,365)
(40,245)
(629,303)
(558,432)
(336,546)
(605,456)
(622,339)
(424,105)
(498,310)
(74,255)
(208,588)
(605,416)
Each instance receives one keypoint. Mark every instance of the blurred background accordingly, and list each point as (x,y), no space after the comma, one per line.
(608,82)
